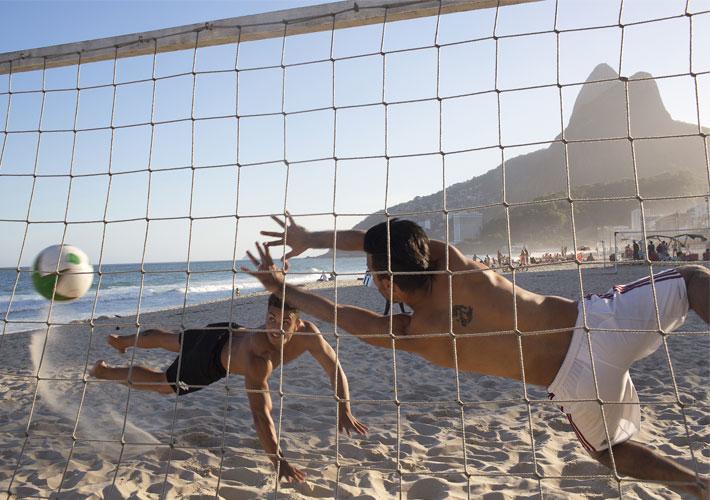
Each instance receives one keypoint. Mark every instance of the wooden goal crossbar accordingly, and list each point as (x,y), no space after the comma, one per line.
(297,21)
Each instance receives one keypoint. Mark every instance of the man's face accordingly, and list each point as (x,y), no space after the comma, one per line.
(380,280)
(274,325)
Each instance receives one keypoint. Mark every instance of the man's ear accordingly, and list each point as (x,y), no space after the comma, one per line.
(397,293)
(387,283)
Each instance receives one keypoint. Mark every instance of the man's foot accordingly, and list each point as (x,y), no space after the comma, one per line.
(117,342)
(98,368)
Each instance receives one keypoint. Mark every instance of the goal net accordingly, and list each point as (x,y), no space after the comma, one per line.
(523,132)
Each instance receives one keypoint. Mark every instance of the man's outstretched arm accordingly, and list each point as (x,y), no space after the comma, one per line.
(363,323)
(325,355)
(300,239)
(256,381)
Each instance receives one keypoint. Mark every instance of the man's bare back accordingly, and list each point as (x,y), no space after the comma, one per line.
(250,345)
(482,304)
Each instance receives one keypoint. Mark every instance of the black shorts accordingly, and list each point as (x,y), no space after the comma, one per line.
(200,365)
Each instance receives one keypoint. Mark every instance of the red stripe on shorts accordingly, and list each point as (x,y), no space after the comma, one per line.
(582,439)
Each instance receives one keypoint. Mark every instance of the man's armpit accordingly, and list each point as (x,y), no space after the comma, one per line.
(400,324)
(258,371)
(309,327)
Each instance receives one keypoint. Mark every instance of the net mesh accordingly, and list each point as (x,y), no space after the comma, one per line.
(254,104)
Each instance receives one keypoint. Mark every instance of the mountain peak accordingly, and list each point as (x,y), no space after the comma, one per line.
(641,75)
(602,72)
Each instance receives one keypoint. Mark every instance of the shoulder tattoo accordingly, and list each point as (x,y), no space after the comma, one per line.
(462,314)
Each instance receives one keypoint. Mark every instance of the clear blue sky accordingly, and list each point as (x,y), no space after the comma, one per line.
(467,122)
(37,23)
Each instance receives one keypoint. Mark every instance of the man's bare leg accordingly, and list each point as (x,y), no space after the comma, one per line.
(141,377)
(639,461)
(697,281)
(149,339)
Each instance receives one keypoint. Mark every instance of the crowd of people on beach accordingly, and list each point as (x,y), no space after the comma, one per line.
(662,251)
(525,259)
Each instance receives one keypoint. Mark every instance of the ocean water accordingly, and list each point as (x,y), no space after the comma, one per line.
(163,286)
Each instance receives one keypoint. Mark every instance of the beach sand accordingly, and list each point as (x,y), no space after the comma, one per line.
(62,435)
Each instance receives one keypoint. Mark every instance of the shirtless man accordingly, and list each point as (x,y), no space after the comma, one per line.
(482,301)
(253,354)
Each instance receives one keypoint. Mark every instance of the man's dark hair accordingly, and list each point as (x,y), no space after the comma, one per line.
(409,251)
(276,302)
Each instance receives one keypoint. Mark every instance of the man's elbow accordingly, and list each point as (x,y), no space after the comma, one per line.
(376,340)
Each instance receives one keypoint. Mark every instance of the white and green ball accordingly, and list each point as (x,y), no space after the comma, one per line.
(62,272)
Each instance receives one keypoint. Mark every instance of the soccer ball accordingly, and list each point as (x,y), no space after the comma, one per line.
(62,272)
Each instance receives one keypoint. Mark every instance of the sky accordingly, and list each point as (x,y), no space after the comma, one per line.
(310,184)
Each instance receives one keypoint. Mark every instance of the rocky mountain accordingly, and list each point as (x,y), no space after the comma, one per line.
(596,168)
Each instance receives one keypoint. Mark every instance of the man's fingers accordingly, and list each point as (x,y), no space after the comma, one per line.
(264,256)
(252,258)
(290,218)
(273,234)
(274,243)
(278,221)
(267,256)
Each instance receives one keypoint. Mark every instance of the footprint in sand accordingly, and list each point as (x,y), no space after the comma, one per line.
(176,454)
(236,461)
(426,429)
(245,476)
(425,441)
(309,489)
(429,488)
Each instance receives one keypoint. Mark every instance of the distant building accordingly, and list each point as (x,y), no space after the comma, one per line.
(466,226)
(699,215)
(636,219)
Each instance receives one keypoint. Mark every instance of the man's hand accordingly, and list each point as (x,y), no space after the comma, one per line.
(348,423)
(295,236)
(290,473)
(266,272)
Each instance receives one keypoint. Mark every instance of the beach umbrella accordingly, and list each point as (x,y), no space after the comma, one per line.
(693,236)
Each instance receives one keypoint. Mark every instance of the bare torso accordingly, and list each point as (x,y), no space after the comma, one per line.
(482,303)
(248,345)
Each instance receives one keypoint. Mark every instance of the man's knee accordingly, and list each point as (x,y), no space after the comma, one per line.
(167,387)
(697,282)
(601,456)
(694,272)
(152,331)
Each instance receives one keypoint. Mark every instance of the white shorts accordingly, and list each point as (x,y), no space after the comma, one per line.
(625,307)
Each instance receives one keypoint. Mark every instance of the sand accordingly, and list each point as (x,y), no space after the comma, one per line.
(203,444)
